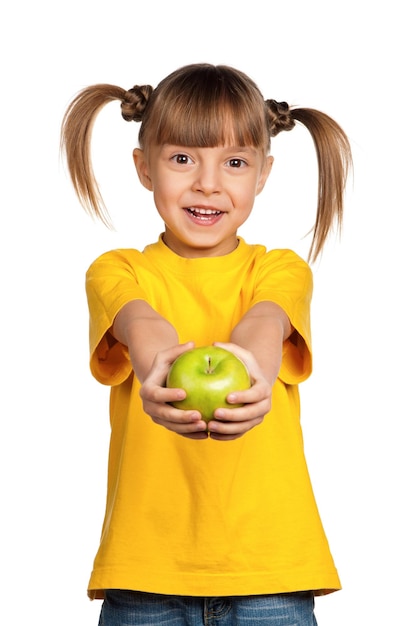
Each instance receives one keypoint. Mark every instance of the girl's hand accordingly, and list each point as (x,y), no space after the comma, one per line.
(233,423)
(156,397)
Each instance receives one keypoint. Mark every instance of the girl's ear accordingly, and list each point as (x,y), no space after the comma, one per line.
(264,174)
(142,169)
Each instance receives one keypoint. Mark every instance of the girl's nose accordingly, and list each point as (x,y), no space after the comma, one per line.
(207,180)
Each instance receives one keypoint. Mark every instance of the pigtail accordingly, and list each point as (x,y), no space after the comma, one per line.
(334,161)
(76,132)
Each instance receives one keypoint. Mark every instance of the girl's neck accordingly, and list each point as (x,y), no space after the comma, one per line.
(193,251)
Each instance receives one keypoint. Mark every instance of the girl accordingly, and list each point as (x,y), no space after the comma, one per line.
(205,524)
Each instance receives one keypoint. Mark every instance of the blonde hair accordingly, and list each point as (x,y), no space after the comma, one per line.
(205,105)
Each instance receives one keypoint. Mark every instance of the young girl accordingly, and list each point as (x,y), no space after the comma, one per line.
(205,524)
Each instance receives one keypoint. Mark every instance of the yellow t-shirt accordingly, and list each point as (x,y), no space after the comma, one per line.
(206,518)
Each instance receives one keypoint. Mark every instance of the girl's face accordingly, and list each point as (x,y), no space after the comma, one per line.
(203,195)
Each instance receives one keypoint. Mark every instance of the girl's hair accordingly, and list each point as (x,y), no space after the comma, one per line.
(205,105)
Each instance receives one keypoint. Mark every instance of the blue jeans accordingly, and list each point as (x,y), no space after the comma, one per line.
(134,608)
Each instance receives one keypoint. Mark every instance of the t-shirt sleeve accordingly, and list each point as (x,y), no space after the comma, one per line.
(111,282)
(286,279)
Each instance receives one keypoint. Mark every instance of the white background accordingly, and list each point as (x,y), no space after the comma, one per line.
(354,60)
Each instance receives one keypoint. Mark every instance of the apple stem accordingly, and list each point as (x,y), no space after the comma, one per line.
(209,370)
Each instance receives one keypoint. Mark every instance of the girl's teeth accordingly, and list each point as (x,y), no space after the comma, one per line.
(204,211)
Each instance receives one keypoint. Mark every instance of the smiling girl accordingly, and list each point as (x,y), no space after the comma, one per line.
(206,524)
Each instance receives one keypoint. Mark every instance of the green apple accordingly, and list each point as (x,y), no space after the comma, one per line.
(208,375)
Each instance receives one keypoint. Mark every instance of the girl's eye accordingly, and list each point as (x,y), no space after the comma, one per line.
(181,159)
(236,163)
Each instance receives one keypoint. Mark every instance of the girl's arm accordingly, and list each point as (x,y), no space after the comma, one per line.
(153,346)
(262,331)
(258,340)
(139,327)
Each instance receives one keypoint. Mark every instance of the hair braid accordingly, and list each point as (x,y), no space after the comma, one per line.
(134,103)
(279,117)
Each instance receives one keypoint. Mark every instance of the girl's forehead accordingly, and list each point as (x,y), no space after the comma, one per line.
(209,134)
(220,148)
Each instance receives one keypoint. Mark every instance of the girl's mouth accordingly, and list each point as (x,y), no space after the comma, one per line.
(200,215)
